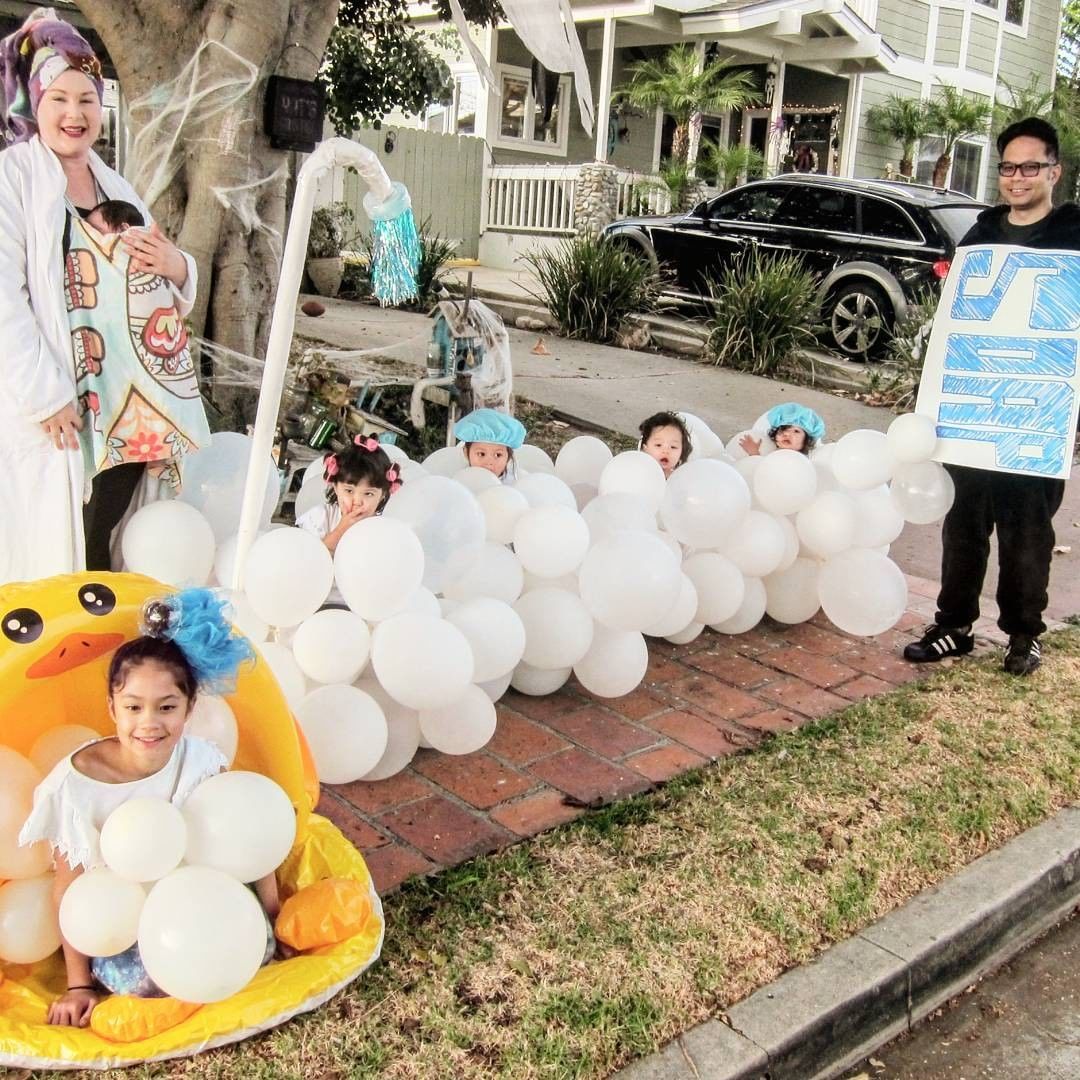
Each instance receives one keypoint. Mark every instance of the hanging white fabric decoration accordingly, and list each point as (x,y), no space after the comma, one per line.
(482,68)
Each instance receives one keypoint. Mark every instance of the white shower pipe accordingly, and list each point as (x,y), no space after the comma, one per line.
(328,154)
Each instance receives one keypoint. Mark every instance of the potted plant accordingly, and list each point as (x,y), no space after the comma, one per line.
(330,226)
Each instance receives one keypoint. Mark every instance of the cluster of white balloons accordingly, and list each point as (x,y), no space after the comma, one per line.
(173,881)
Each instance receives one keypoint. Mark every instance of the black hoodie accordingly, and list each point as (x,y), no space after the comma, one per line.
(1059,230)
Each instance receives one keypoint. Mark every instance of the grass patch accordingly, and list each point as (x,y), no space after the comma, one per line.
(573,953)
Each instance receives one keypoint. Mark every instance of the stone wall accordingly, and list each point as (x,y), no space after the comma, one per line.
(595,198)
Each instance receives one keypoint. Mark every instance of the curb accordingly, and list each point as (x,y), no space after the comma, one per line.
(819,1019)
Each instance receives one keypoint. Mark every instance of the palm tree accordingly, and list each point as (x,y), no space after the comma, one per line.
(903,120)
(673,83)
(954,117)
(729,163)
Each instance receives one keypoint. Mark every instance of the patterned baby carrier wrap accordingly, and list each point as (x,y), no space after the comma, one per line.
(135,380)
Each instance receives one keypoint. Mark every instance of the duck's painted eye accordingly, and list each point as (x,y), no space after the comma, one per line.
(97,599)
(22,625)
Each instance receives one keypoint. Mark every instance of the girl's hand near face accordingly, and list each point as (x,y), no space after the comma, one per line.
(750,445)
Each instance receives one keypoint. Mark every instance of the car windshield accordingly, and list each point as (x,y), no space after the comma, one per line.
(957,220)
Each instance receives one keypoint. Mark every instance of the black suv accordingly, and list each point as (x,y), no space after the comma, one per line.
(875,244)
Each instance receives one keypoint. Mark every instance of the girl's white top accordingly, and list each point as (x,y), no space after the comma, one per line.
(70,808)
(321,520)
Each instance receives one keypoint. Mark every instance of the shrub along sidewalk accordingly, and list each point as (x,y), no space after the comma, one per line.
(572,953)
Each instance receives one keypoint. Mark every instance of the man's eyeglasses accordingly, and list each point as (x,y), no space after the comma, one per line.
(1025,168)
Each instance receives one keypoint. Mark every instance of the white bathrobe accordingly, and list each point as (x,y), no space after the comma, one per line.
(42,488)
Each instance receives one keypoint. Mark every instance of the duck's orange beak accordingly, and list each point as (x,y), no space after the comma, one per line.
(74,651)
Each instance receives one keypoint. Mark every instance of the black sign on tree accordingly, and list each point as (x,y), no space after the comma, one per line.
(294,113)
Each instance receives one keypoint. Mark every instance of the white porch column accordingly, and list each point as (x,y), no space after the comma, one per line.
(693,144)
(852,109)
(485,122)
(776,110)
(603,109)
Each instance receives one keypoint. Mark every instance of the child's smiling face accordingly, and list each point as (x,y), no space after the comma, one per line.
(665,444)
(791,437)
(149,711)
(491,456)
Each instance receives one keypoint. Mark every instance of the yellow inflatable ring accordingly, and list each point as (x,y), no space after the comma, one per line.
(58,677)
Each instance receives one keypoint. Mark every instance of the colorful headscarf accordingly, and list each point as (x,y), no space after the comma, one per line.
(32,59)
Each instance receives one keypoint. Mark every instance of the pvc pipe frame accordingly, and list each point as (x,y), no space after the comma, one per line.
(327,155)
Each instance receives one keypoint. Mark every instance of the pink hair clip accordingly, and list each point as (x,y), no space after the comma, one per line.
(331,466)
(366,443)
(393,474)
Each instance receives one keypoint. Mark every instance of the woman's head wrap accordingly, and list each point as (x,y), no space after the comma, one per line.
(32,59)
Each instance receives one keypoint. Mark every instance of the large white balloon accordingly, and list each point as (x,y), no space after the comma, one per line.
(791,595)
(99,912)
(681,614)
(750,610)
(394,452)
(332,646)
(422,602)
(532,459)
(462,727)
(241,823)
(144,839)
(214,479)
(286,670)
(791,542)
(877,520)
(757,545)
(608,514)
(863,592)
(704,503)
(345,730)
(558,628)
(202,934)
(308,497)
(29,930)
(422,662)
(704,442)
(18,779)
(490,570)
(403,732)
(785,482)
(923,492)
(719,585)
(378,565)
(242,615)
(685,636)
(551,540)
(287,576)
(583,494)
(636,473)
(502,507)
(539,682)
(213,719)
(827,526)
(545,489)
(170,541)
(55,744)
(475,479)
(225,559)
(629,581)
(582,460)
(447,461)
(445,517)
(911,437)
(862,459)
(495,634)
(615,663)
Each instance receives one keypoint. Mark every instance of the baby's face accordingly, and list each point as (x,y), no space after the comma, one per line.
(665,445)
(490,456)
(97,219)
(791,437)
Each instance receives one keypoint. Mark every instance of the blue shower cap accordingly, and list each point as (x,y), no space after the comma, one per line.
(490,426)
(799,416)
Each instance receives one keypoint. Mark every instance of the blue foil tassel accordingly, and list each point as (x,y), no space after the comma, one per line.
(395,247)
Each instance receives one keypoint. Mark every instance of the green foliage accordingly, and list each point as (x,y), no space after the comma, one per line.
(726,165)
(331,227)
(763,310)
(898,383)
(901,120)
(591,286)
(953,116)
(435,252)
(480,12)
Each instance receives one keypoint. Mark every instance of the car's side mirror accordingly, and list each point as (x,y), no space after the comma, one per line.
(701,210)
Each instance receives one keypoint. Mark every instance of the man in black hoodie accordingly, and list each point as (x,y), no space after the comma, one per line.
(1019,507)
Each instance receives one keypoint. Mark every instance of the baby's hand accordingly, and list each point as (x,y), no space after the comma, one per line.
(750,445)
(74,1008)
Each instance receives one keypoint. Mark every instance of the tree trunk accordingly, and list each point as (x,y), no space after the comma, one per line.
(680,142)
(941,170)
(225,203)
(906,167)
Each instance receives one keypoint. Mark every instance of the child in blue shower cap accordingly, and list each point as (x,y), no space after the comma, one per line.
(490,439)
(791,427)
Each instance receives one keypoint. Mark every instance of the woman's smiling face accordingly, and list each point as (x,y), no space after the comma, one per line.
(69,115)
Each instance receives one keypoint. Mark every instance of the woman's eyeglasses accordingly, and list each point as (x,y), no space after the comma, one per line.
(1025,168)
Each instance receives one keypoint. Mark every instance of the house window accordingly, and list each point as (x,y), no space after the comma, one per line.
(964,170)
(1014,12)
(458,115)
(523,123)
(987,3)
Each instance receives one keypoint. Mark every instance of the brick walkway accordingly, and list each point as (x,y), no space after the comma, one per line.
(553,757)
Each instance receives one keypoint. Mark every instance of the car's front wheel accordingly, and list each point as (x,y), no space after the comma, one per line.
(860,318)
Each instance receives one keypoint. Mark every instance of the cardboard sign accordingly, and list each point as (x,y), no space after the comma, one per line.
(1001,379)
(294,113)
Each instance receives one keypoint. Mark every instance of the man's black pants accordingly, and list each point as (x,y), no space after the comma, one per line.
(1020,508)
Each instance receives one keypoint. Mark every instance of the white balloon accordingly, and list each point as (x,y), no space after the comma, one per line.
(545,489)
(495,634)
(143,839)
(685,636)
(422,662)
(170,541)
(827,526)
(877,520)
(29,930)
(911,437)
(533,459)
(862,459)
(18,780)
(308,497)
(539,682)
(636,473)
(922,491)
(746,467)
(629,582)
(214,480)
(314,470)
(99,912)
(394,452)
(462,727)
(558,628)
(411,471)
(785,482)
(225,560)
(551,540)
(673,545)
(242,615)
(345,730)
(202,934)
(287,576)
(704,503)
(681,614)
(212,719)
(608,514)
(402,727)
(719,585)
(765,445)
(582,460)
(476,480)
(447,461)
(704,442)
(750,610)
(492,570)
(862,592)
(757,545)
(422,602)
(502,506)
(57,743)
(566,581)
(496,688)
(791,543)
(615,663)
(791,595)
(378,565)
(286,671)
(241,823)
(332,646)
(583,494)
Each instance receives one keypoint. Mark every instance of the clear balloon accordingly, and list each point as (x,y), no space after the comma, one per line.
(29,930)
(558,628)
(423,663)
(911,438)
(877,520)
(545,489)
(863,592)
(608,514)
(629,582)
(862,459)
(495,634)
(757,545)
(378,565)
(332,646)
(551,541)
(99,912)
(55,744)
(719,585)
(288,574)
(785,482)
(615,663)
(490,570)
(704,503)
(827,526)
(635,473)
(143,839)
(923,492)
(462,727)
(502,506)
(582,460)
(750,610)
(791,595)
(170,541)
(212,719)
(539,682)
